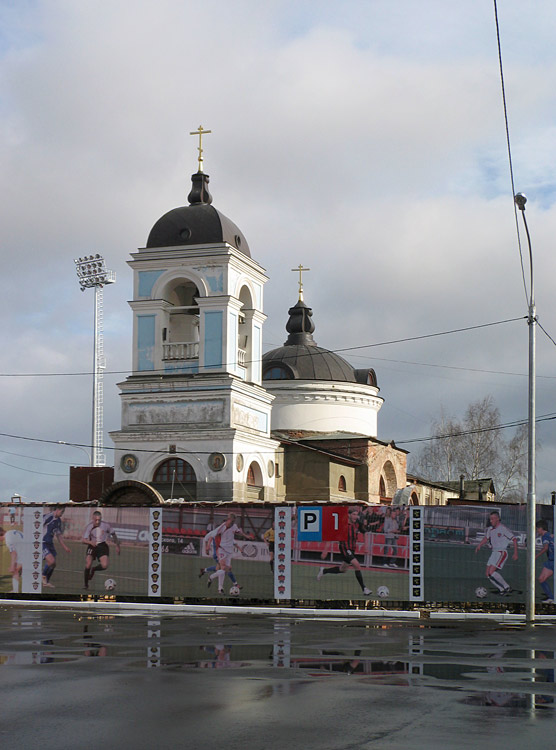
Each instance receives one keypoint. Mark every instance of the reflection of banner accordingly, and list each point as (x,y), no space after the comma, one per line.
(153,639)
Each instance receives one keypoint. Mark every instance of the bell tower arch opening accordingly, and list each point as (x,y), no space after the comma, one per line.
(180,332)
(245,333)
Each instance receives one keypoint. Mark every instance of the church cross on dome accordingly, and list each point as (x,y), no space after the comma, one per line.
(200,132)
(300,269)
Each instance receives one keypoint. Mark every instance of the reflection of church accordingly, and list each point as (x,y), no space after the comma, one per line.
(207,417)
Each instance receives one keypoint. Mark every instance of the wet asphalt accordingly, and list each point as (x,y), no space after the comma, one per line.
(70,679)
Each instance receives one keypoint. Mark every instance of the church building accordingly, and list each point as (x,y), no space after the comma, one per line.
(205,416)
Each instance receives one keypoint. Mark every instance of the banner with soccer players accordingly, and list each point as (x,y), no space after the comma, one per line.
(279,552)
(67,549)
(475,553)
(218,551)
(350,552)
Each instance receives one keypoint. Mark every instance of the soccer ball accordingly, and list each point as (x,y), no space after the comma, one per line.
(234,591)
(383,591)
(480,592)
(110,584)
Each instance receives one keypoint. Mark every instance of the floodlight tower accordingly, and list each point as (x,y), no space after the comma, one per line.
(92,274)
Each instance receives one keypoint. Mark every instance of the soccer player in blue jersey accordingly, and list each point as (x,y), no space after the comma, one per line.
(51,528)
(547,540)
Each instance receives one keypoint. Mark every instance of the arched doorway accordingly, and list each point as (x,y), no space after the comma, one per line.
(388,482)
(130,492)
(255,488)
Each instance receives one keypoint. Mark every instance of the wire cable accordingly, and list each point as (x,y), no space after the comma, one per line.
(31,471)
(509,148)
(333,351)
(548,336)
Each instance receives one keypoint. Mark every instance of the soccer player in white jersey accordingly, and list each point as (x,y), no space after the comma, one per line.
(13,539)
(96,536)
(227,532)
(499,537)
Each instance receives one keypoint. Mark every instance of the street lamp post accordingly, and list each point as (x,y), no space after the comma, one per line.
(92,274)
(81,448)
(520,201)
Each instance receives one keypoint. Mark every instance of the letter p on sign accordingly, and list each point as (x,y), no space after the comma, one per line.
(309,524)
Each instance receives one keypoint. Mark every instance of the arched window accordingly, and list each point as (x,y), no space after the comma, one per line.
(175,477)
(254,476)
(278,372)
(342,483)
(174,469)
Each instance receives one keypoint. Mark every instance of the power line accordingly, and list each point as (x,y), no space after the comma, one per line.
(37,458)
(547,335)
(165,452)
(509,148)
(31,471)
(516,423)
(333,351)
(463,369)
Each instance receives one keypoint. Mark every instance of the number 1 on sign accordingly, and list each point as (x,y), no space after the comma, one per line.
(335,524)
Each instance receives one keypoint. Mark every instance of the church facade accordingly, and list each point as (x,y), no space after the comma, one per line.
(205,416)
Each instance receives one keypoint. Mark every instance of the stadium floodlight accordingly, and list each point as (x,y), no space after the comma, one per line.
(520,201)
(92,274)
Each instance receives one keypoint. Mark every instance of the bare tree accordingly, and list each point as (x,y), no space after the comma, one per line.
(476,447)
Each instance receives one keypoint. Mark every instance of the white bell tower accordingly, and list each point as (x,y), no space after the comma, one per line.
(195,418)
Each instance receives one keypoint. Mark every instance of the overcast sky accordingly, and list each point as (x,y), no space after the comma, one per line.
(364,139)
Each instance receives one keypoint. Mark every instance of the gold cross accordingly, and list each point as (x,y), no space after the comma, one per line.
(300,269)
(200,132)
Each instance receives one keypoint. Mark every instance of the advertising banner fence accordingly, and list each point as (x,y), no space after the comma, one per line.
(262,552)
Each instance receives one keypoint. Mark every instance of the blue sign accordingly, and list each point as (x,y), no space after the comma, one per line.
(309,524)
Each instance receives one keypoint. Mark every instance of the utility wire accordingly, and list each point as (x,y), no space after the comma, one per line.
(509,149)
(463,369)
(548,336)
(333,351)
(31,471)
(289,441)
(36,458)
(516,423)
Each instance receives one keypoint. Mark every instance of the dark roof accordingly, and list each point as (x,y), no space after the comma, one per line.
(472,485)
(197,224)
(309,363)
(301,359)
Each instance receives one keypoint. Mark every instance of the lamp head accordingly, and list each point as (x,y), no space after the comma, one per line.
(520,201)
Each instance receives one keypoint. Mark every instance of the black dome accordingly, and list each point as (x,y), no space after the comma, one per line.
(307,362)
(301,359)
(197,224)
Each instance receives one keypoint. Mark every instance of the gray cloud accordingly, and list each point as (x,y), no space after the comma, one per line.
(366,142)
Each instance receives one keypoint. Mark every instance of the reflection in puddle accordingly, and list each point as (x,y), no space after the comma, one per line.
(517,671)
